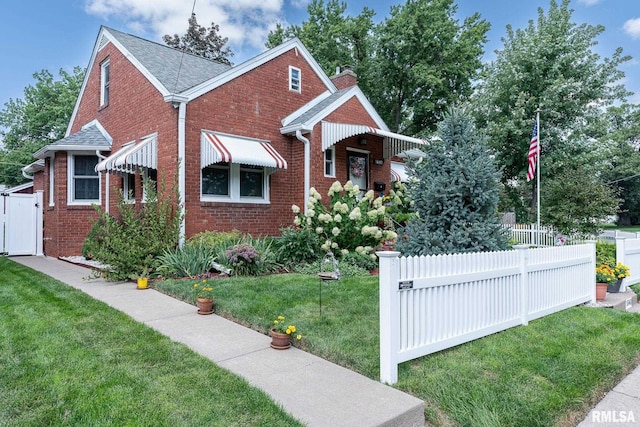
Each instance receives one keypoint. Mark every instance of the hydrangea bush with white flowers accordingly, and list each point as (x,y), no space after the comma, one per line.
(349,223)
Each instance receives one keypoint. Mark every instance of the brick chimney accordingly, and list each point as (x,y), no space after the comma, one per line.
(344,79)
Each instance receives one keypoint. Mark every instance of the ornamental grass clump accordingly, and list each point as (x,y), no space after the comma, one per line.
(350,223)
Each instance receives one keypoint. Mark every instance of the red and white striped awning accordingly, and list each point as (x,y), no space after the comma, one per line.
(399,172)
(131,156)
(393,143)
(216,147)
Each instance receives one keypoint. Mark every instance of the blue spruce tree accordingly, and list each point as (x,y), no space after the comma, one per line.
(455,194)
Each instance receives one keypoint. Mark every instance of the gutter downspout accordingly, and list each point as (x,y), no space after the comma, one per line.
(182,115)
(26,175)
(106,192)
(307,167)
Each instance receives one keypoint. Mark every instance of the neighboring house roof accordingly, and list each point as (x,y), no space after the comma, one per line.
(17,188)
(90,138)
(175,70)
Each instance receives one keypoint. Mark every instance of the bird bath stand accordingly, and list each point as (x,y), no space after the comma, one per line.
(327,277)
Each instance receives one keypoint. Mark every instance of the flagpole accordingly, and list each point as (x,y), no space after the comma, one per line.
(538,170)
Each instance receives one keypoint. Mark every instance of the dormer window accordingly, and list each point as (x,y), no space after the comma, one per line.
(295,79)
(104,83)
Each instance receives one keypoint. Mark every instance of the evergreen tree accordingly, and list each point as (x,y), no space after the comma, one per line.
(201,41)
(455,194)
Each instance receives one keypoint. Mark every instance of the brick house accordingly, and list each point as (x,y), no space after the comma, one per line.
(244,142)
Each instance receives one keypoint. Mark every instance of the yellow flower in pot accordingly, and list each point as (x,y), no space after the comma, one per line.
(204,296)
(282,332)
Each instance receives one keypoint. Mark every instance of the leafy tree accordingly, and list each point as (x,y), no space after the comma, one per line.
(551,65)
(456,194)
(575,201)
(39,119)
(425,62)
(201,41)
(333,38)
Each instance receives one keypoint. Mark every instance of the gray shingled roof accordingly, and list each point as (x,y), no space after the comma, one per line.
(164,62)
(304,117)
(87,137)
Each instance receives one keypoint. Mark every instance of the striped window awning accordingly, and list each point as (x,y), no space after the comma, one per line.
(399,172)
(132,156)
(393,143)
(216,147)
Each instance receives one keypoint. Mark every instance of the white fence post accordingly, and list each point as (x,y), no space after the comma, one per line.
(389,316)
(620,256)
(592,245)
(523,254)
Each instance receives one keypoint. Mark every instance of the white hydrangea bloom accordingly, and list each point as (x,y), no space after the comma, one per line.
(359,249)
(296,221)
(372,214)
(324,247)
(313,193)
(355,190)
(390,235)
(337,218)
(311,204)
(334,245)
(309,221)
(348,186)
(311,213)
(368,249)
(335,188)
(369,195)
(335,231)
(377,202)
(324,217)
(295,209)
(355,214)
(319,230)
(381,210)
(345,251)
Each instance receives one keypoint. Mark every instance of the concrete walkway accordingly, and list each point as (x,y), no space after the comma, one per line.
(315,391)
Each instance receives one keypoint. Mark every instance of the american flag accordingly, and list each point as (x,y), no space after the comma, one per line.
(533,152)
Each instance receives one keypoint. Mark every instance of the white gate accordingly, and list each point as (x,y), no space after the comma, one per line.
(21,224)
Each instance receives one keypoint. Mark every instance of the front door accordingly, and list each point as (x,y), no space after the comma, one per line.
(359,169)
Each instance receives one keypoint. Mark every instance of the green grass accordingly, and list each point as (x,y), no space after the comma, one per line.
(630,228)
(67,359)
(547,373)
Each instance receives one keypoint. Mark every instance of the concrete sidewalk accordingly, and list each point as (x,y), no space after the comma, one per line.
(315,391)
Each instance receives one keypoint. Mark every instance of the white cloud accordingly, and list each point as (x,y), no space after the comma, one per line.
(588,2)
(245,22)
(632,28)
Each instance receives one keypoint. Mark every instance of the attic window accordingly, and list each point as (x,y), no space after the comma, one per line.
(104,83)
(295,79)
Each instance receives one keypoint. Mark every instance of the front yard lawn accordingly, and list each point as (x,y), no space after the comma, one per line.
(550,372)
(67,359)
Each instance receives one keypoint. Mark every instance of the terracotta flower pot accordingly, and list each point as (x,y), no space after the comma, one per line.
(601,291)
(280,341)
(205,305)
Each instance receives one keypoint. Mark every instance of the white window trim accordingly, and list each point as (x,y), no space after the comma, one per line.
(234,188)
(51,180)
(291,86)
(333,162)
(103,83)
(71,183)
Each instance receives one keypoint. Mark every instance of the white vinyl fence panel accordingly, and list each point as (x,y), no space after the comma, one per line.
(628,253)
(430,303)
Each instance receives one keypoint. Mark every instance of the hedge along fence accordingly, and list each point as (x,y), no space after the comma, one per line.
(430,303)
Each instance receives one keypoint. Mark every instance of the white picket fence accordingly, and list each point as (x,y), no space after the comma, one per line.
(430,303)
(527,234)
(628,253)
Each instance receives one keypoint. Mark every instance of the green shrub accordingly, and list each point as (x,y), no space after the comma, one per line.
(131,242)
(365,261)
(605,253)
(347,269)
(189,261)
(248,256)
(295,246)
(213,239)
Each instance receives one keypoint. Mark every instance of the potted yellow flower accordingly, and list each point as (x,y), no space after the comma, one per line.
(604,276)
(282,333)
(204,296)
(620,271)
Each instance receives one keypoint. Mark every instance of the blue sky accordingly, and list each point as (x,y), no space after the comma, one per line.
(58,34)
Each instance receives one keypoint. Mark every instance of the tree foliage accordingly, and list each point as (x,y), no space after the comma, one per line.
(412,66)
(201,41)
(424,63)
(551,65)
(40,118)
(455,194)
(577,202)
